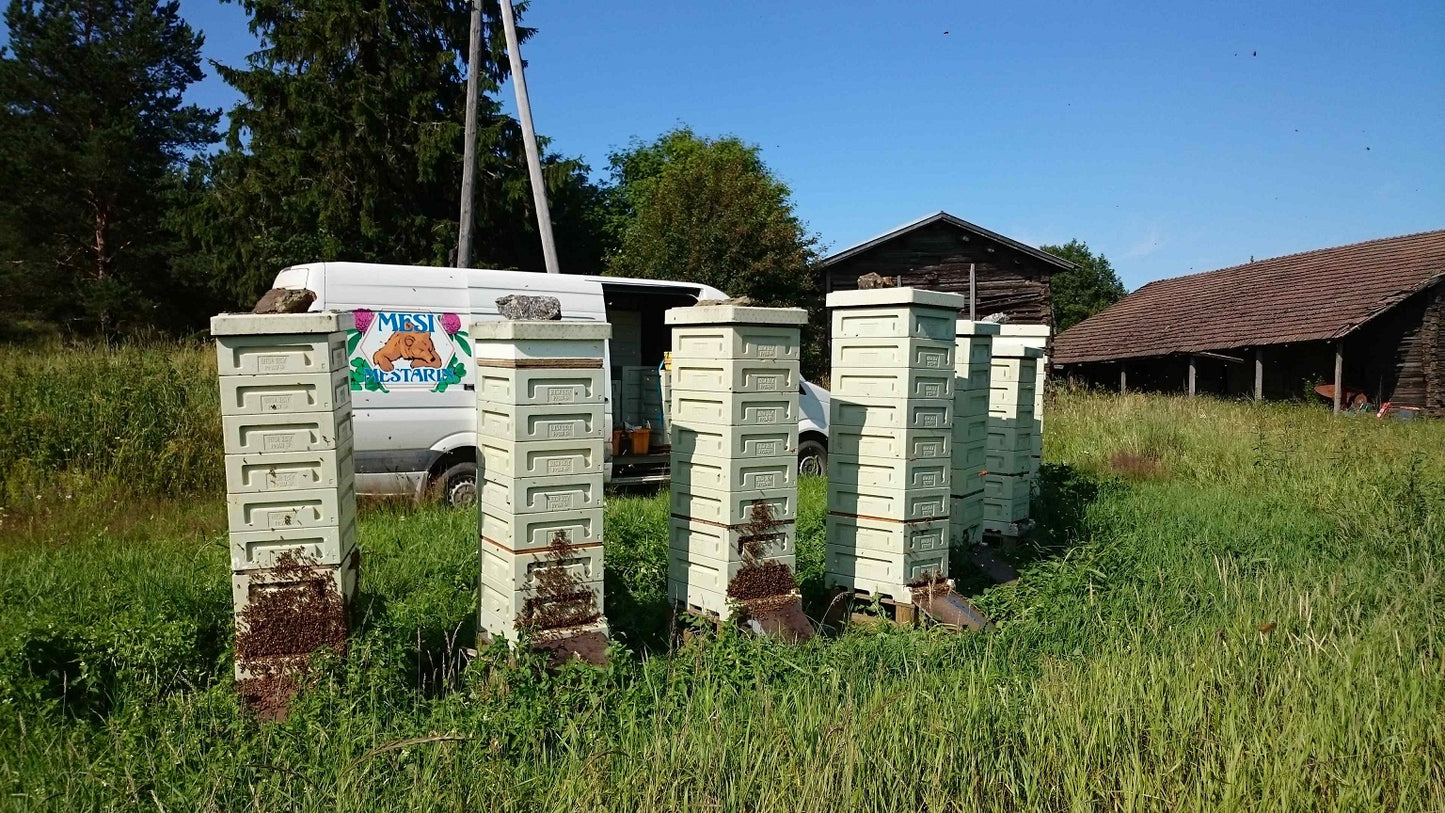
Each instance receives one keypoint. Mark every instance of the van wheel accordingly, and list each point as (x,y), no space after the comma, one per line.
(812,457)
(457,486)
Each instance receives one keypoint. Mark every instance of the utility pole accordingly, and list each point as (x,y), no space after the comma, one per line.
(469,150)
(529,140)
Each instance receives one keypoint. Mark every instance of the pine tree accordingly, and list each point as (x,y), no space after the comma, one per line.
(348,146)
(92,131)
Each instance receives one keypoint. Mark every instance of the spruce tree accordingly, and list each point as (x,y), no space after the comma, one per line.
(348,146)
(92,130)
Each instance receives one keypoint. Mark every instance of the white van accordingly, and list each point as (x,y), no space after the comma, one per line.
(415,412)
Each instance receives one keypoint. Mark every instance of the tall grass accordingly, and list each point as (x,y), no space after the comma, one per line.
(139,420)
(1255,624)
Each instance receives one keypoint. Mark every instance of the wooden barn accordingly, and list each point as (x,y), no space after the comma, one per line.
(941,252)
(1365,321)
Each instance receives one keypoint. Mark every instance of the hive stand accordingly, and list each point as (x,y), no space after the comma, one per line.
(1011,430)
(1036,336)
(734,496)
(973,361)
(540,428)
(290,488)
(890,458)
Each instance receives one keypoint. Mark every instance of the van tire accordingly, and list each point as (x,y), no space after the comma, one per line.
(457,486)
(812,457)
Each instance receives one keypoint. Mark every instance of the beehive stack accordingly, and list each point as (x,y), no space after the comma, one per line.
(1035,336)
(973,361)
(642,401)
(540,412)
(1013,379)
(734,389)
(290,485)
(891,431)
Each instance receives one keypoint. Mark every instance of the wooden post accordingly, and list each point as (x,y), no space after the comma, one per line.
(1192,375)
(1123,378)
(1259,373)
(972,293)
(1339,372)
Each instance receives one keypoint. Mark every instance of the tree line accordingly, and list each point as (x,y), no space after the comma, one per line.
(127,209)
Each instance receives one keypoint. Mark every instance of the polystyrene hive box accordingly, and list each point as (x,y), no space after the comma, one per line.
(735,341)
(734,441)
(288,471)
(695,596)
(561,343)
(301,432)
(285,394)
(970,428)
(1010,435)
(894,382)
(304,353)
(279,510)
(500,607)
(997,511)
(883,575)
(888,502)
(1005,461)
(970,405)
(971,352)
(539,423)
(694,408)
(740,475)
(261,550)
(500,566)
(973,378)
(971,456)
(714,541)
(536,387)
(1013,487)
(535,495)
(966,511)
(501,457)
(281,324)
(1035,464)
(732,507)
(734,375)
(881,536)
(635,377)
(903,312)
(891,413)
(917,444)
(248,586)
(889,473)
(529,532)
(892,352)
(710,575)
(1013,370)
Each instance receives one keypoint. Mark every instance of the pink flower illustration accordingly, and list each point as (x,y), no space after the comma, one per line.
(451,323)
(363,318)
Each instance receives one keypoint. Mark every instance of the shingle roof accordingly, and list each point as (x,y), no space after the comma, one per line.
(1321,294)
(952,220)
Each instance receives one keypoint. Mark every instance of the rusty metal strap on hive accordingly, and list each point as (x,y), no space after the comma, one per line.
(890,519)
(543,364)
(779,523)
(570,546)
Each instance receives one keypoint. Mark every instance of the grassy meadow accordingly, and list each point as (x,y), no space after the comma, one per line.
(1227,607)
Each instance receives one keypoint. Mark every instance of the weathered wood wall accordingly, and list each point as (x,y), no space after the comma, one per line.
(937,257)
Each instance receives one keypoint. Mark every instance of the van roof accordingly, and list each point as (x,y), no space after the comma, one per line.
(521,279)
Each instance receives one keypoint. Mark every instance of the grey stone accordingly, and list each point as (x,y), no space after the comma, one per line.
(736,301)
(284,300)
(520,307)
(871,280)
(996,318)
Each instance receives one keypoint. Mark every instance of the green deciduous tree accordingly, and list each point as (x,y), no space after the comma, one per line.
(1093,286)
(708,210)
(348,146)
(92,131)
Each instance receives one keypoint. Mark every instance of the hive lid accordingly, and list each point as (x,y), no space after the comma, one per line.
(883,297)
(553,330)
(735,314)
(250,324)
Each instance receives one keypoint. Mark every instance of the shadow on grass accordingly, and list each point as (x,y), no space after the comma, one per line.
(1059,508)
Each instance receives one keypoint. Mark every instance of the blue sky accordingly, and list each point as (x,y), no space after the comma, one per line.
(1171,137)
